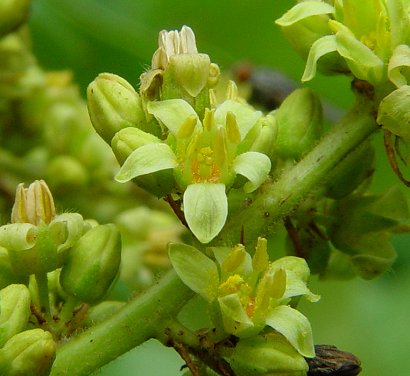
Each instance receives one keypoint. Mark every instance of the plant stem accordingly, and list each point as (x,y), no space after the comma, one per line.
(138,321)
(42,287)
(299,182)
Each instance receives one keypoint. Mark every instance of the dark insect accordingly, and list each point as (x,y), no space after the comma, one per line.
(330,361)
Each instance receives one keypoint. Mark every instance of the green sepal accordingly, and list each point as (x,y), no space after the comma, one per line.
(195,269)
(205,209)
(295,327)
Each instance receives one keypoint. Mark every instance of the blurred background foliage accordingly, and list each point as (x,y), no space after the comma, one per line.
(368,318)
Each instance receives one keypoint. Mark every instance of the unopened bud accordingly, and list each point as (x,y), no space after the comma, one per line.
(29,353)
(12,14)
(34,204)
(267,355)
(92,264)
(14,311)
(299,121)
(113,104)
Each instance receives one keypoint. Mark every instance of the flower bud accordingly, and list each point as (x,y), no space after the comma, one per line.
(29,353)
(14,311)
(12,14)
(299,122)
(267,355)
(129,139)
(34,204)
(113,104)
(92,264)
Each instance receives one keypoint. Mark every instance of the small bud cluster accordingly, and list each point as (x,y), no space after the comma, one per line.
(77,259)
(176,138)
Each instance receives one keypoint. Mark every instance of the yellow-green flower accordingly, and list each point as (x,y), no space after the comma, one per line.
(249,293)
(371,36)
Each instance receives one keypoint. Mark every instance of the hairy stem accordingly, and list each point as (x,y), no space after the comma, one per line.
(138,321)
(281,197)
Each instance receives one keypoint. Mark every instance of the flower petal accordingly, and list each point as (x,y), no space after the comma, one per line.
(399,66)
(362,61)
(172,113)
(321,47)
(303,10)
(254,166)
(196,270)
(245,115)
(145,160)
(295,327)
(234,315)
(205,209)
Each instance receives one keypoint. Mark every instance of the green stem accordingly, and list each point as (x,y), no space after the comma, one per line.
(282,196)
(42,287)
(138,321)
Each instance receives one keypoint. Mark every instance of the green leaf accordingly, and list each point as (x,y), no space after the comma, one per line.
(398,69)
(205,209)
(196,270)
(321,47)
(295,327)
(254,166)
(245,115)
(145,160)
(362,61)
(172,113)
(304,10)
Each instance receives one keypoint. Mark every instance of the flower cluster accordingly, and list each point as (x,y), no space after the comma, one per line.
(371,37)
(175,138)
(248,293)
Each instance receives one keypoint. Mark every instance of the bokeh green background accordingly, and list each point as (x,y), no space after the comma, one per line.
(370,319)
